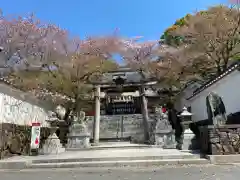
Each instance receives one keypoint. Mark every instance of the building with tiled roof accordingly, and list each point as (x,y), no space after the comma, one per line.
(226,85)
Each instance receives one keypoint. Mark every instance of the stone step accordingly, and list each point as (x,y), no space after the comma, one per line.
(123,163)
(105,158)
(117,158)
(115,143)
(114,146)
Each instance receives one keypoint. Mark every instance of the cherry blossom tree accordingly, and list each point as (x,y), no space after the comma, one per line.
(212,38)
(67,66)
(25,42)
(163,62)
(42,58)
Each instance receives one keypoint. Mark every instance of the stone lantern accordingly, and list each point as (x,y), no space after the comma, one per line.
(53,145)
(186,117)
(188,135)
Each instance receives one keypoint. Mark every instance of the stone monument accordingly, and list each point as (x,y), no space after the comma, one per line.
(79,136)
(216,109)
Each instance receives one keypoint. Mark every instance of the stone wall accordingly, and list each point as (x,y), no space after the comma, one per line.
(17,112)
(15,139)
(222,140)
(124,126)
(120,126)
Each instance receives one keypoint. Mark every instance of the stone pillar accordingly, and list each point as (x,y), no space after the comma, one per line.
(145,115)
(1,140)
(96,127)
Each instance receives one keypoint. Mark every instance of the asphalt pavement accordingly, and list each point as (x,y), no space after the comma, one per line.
(203,172)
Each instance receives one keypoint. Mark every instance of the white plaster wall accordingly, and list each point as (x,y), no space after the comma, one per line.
(228,88)
(15,111)
(181,99)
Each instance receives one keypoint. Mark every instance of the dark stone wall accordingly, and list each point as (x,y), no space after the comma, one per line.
(222,140)
(15,139)
(202,128)
(123,126)
(195,128)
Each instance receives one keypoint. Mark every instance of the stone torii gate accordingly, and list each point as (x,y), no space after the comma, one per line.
(140,83)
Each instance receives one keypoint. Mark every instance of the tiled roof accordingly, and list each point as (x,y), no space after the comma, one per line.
(130,76)
(8,88)
(230,69)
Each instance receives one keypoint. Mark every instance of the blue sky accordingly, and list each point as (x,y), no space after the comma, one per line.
(148,18)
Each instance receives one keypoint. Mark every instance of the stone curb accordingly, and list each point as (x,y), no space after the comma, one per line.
(14,165)
(136,163)
(93,148)
(223,159)
(115,159)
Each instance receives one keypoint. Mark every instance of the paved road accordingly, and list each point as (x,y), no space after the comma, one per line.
(208,172)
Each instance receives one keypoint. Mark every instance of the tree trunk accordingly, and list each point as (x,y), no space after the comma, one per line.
(219,70)
(225,66)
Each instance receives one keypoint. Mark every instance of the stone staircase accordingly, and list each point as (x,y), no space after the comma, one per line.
(111,155)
